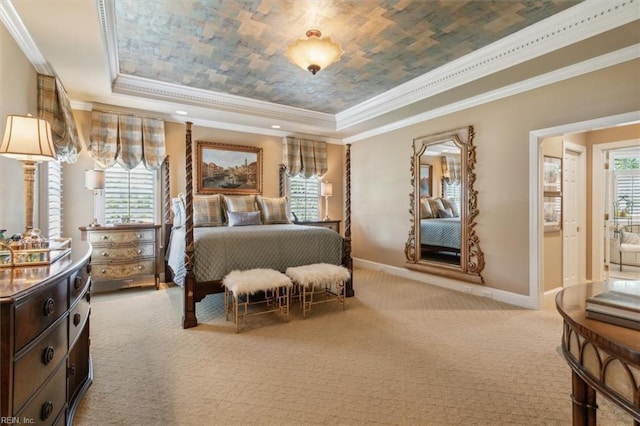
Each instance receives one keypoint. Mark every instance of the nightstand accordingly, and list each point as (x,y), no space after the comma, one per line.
(331,224)
(123,253)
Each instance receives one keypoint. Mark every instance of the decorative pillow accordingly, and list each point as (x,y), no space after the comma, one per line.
(435,204)
(629,238)
(274,210)
(207,211)
(179,213)
(240,203)
(443,213)
(244,218)
(425,209)
(451,204)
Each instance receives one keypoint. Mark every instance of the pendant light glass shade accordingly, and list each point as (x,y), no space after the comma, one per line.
(314,53)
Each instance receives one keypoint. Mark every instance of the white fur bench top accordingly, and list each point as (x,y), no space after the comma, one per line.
(318,274)
(254,280)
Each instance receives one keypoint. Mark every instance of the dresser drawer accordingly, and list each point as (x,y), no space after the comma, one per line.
(118,237)
(47,405)
(78,317)
(77,283)
(39,312)
(120,271)
(35,365)
(138,251)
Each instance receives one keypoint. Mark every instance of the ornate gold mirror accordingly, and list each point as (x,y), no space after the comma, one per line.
(443,207)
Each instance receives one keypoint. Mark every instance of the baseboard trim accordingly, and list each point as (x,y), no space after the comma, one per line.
(515,299)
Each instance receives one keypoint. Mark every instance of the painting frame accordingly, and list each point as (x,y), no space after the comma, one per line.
(228,169)
(552,175)
(426,180)
(552,214)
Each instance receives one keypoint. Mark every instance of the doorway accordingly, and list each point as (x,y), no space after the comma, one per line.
(594,232)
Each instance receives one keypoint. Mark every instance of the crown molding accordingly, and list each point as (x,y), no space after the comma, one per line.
(570,26)
(12,21)
(107,17)
(590,65)
(137,86)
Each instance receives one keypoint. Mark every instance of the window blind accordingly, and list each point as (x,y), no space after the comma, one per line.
(304,197)
(54,199)
(129,195)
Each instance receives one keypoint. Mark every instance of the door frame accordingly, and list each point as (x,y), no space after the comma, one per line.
(536,226)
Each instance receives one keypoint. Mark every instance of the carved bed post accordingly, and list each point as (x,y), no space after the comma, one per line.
(189,318)
(166,213)
(347,260)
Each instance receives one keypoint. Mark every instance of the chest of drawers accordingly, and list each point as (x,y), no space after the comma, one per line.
(44,349)
(123,254)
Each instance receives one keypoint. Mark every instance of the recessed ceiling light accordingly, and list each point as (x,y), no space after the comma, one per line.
(181,112)
(275,126)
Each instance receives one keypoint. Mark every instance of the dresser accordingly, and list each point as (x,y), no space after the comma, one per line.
(44,339)
(123,254)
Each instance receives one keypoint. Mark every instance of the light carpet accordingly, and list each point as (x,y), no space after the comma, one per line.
(402,353)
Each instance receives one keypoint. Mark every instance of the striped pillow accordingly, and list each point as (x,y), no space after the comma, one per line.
(274,210)
(207,211)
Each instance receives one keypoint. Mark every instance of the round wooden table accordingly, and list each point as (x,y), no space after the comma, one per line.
(603,357)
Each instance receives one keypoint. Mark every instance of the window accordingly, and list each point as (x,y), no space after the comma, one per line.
(452,192)
(129,195)
(304,197)
(626,181)
(54,199)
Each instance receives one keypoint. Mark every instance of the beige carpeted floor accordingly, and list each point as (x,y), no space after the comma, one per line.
(402,353)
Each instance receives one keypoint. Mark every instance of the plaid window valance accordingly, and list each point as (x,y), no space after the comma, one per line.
(127,140)
(305,157)
(54,106)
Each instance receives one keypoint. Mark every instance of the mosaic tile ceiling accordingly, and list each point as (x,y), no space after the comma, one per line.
(238,47)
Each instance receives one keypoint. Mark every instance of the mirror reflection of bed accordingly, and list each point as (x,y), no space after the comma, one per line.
(440,200)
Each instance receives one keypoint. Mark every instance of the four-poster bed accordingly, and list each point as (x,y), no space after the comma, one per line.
(212,252)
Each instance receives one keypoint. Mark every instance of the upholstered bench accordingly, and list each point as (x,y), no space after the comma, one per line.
(274,284)
(319,279)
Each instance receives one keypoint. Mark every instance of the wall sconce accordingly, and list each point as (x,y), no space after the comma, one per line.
(28,139)
(326,190)
(94,179)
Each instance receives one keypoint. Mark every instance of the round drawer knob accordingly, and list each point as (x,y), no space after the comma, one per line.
(140,267)
(88,297)
(72,369)
(76,319)
(105,254)
(47,355)
(103,271)
(140,251)
(77,283)
(105,237)
(139,236)
(49,307)
(46,410)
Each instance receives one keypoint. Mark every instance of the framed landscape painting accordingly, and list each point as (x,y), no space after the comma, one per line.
(228,169)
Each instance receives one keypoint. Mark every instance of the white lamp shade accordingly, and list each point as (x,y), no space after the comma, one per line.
(94,179)
(27,138)
(326,189)
(314,51)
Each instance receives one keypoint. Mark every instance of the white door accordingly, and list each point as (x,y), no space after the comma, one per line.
(573,214)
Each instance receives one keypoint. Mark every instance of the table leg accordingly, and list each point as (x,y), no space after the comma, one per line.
(584,402)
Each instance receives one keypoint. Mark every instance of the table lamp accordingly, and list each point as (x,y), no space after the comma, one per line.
(94,180)
(326,190)
(28,139)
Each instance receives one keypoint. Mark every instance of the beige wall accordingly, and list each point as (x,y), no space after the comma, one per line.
(79,202)
(381,176)
(18,95)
